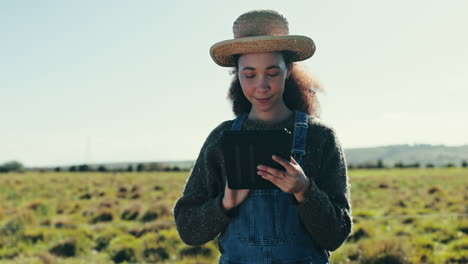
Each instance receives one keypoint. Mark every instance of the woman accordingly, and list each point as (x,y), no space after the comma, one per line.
(310,213)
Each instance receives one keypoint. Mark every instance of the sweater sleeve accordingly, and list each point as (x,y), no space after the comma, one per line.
(326,209)
(199,214)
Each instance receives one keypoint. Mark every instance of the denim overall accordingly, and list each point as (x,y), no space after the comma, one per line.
(268,228)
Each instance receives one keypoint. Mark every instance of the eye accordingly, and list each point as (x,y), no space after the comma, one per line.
(273,73)
(249,76)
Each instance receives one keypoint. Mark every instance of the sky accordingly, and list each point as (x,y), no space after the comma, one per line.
(117,81)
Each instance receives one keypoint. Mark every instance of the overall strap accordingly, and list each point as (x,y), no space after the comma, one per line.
(300,135)
(237,124)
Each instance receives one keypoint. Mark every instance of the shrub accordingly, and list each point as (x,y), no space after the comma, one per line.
(103,239)
(135,195)
(424,243)
(169,237)
(109,203)
(136,188)
(360,233)
(132,212)
(123,248)
(408,220)
(46,258)
(463,228)
(383,185)
(136,231)
(386,259)
(196,251)
(66,248)
(103,215)
(85,196)
(68,242)
(364,214)
(383,252)
(156,211)
(430,227)
(460,245)
(33,235)
(63,222)
(10,252)
(433,190)
(149,215)
(41,208)
(152,227)
(15,226)
(152,250)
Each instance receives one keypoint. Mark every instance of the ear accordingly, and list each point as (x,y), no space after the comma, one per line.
(288,74)
(289,68)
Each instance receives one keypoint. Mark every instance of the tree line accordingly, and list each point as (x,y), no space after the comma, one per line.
(140,167)
(16,166)
(11,166)
(379,164)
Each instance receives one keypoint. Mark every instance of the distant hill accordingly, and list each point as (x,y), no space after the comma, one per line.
(438,155)
(424,154)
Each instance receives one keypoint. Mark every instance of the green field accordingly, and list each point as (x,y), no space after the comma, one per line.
(401,216)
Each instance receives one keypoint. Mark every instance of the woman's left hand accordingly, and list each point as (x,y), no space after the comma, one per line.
(292,180)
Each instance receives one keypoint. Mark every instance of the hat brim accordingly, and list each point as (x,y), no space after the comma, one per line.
(300,47)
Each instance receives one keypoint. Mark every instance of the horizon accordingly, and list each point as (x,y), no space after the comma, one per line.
(115,162)
(90,81)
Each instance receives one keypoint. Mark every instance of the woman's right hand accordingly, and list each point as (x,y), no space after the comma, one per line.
(233,198)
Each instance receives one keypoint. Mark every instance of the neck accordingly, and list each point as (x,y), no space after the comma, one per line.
(271,115)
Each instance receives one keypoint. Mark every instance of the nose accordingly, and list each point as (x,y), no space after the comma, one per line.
(263,85)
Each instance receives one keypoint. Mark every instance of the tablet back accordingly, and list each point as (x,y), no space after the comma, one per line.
(244,150)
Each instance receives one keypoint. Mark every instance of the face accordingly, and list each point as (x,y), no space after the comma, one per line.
(262,77)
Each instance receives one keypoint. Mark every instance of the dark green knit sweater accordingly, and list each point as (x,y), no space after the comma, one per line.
(325,212)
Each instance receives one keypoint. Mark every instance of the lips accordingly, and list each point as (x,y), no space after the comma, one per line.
(263,100)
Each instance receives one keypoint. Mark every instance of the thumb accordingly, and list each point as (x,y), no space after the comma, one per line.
(293,161)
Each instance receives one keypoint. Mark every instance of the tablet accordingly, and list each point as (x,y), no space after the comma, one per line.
(244,150)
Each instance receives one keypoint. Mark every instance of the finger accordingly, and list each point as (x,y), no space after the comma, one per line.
(293,161)
(269,170)
(277,182)
(266,173)
(285,178)
(273,179)
(286,164)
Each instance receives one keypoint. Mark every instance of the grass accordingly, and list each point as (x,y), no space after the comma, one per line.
(400,215)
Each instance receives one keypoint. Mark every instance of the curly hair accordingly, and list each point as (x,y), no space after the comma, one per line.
(299,90)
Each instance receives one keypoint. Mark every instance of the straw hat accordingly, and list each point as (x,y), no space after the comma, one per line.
(261,31)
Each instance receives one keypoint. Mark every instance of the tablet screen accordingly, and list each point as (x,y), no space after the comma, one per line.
(244,150)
